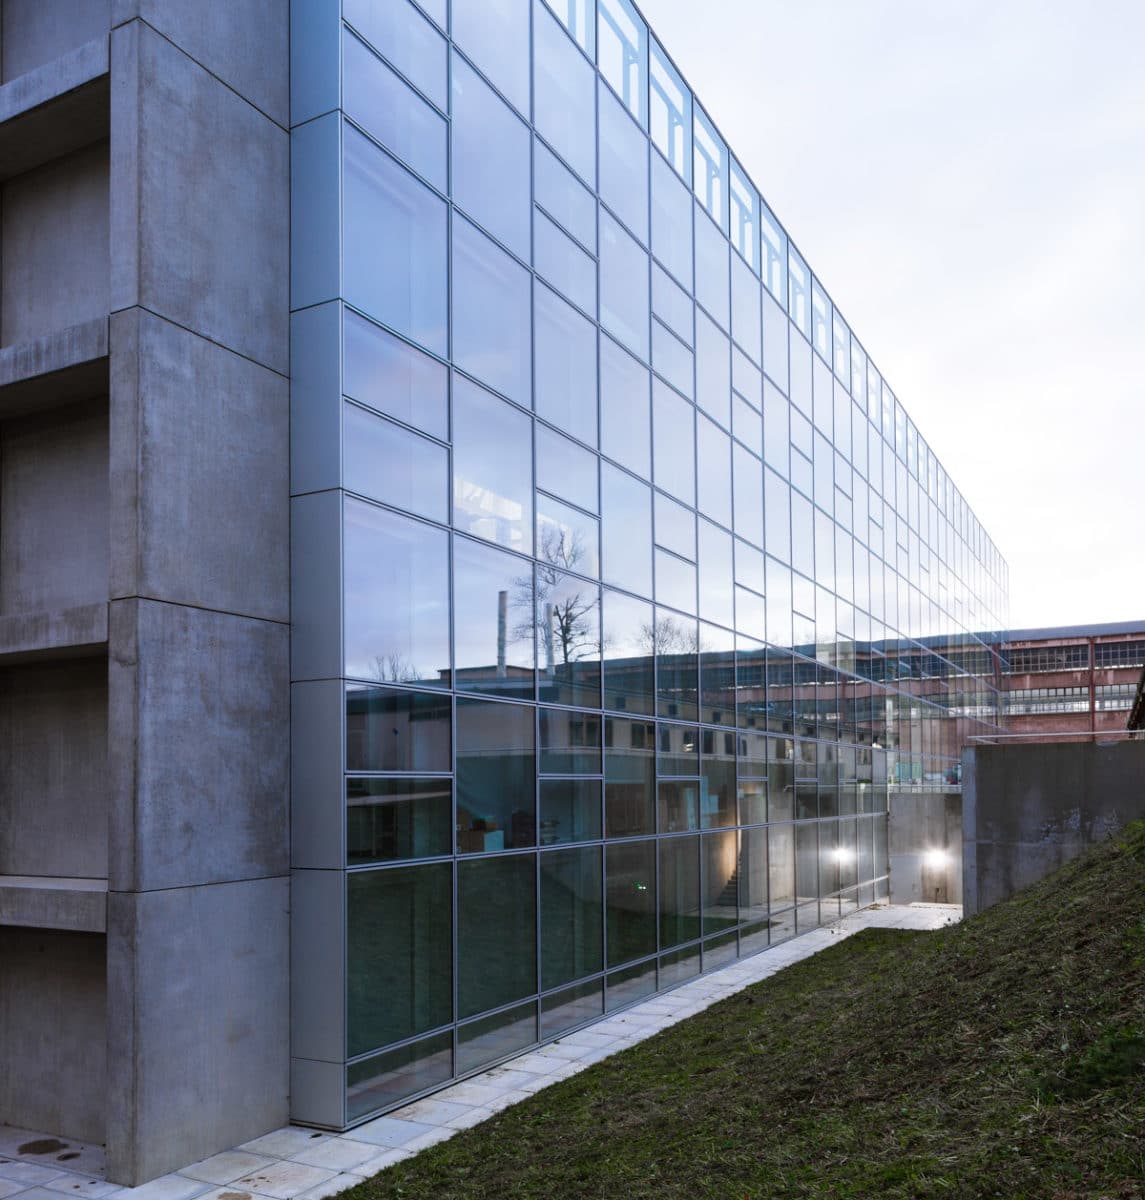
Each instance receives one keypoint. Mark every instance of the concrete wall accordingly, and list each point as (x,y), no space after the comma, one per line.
(35,32)
(54,510)
(1027,809)
(924,834)
(53,769)
(54,245)
(53,1001)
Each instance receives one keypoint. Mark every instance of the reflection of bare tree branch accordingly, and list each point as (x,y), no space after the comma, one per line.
(669,636)
(394,668)
(565,615)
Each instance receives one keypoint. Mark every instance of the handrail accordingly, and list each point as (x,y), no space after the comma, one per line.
(1089,734)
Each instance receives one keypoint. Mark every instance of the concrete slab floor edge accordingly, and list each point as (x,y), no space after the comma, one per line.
(295,1163)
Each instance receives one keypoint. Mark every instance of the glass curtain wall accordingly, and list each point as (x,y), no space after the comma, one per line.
(643,588)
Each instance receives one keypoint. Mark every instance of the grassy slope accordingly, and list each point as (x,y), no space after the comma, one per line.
(1001,1058)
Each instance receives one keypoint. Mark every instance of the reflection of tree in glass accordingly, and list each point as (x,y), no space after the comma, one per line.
(394,668)
(565,607)
(669,635)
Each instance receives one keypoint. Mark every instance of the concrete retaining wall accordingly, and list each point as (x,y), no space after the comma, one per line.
(1029,808)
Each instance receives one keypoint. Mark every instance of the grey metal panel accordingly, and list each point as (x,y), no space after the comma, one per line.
(315,58)
(969,831)
(316,398)
(317,1093)
(317,799)
(317,977)
(315,186)
(316,585)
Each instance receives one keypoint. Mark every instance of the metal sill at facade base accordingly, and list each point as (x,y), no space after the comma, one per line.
(59,107)
(79,632)
(55,369)
(50,902)
(507,1059)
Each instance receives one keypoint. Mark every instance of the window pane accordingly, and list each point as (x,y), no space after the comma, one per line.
(673,306)
(679,890)
(490,159)
(677,666)
(492,467)
(623,165)
(571,928)
(714,482)
(566,469)
(381,1081)
(717,678)
(563,96)
(670,113)
(385,462)
(671,222)
(713,269)
(713,371)
(385,106)
(398,818)
(570,810)
(496,777)
(675,527)
(630,779)
(746,315)
(745,215)
(566,366)
(776,328)
(396,597)
(394,231)
(629,683)
(576,16)
(710,170)
(675,582)
(563,263)
(799,292)
(748,474)
(716,575)
(491,311)
(674,442)
(393,377)
(568,638)
(624,283)
(630,900)
(406,38)
(493,620)
(399,953)
(679,805)
(622,54)
(626,531)
(721,872)
(496,1037)
(570,742)
(566,537)
(496,932)
(625,416)
(718,776)
(774,259)
(564,196)
(392,729)
(495,35)
(753,875)
(571,1007)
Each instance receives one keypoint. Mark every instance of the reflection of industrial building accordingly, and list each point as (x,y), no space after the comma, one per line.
(591,587)
(1071,679)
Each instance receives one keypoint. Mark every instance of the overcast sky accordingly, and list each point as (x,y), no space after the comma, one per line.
(967,179)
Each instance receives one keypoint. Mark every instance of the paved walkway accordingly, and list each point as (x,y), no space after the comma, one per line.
(301,1164)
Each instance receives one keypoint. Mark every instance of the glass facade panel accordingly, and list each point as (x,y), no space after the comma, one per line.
(397,818)
(398,729)
(565,387)
(496,779)
(495,35)
(407,39)
(624,284)
(571,910)
(622,54)
(625,415)
(496,935)
(564,95)
(623,165)
(385,462)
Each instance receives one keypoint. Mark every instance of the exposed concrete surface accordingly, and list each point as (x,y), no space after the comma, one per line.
(54,245)
(200,976)
(208,246)
(43,902)
(54,369)
(924,837)
(200,464)
(1030,808)
(53,773)
(54,501)
(54,109)
(53,997)
(35,32)
(198,762)
(69,632)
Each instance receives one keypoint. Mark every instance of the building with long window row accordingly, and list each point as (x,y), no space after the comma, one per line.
(459,571)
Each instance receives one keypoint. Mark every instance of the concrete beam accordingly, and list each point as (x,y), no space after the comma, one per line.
(54,369)
(77,632)
(55,109)
(47,902)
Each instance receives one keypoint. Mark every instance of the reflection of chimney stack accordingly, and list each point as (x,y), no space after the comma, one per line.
(550,641)
(502,631)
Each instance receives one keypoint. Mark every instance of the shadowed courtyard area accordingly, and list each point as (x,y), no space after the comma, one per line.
(1002,1057)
